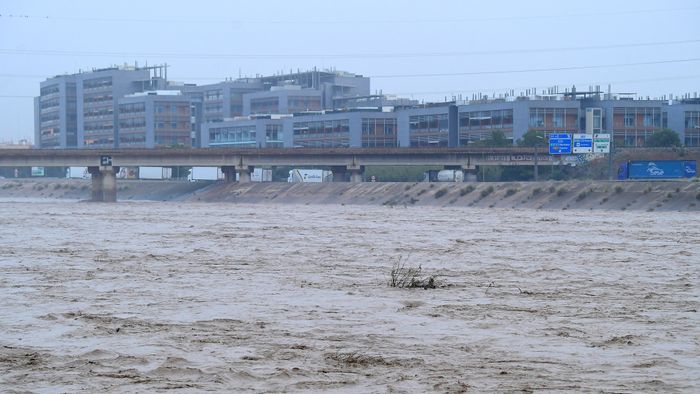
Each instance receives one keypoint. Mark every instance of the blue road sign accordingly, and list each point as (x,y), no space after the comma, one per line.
(560,144)
(583,143)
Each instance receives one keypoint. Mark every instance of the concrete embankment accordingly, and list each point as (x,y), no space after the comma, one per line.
(659,196)
(79,189)
(649,196)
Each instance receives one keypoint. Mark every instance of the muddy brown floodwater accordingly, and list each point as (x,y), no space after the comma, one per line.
(146,296)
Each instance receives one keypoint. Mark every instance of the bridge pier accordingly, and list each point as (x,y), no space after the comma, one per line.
(244,174)
(471,176)
(356,173)
(340,173)
(109,185)
(104,184)
(96,191)
(229,174)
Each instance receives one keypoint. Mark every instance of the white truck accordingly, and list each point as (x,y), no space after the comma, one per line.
(305,175)
(77,173)
(260,175)
(155,173)
(205,174)
(443,176)
(215,174)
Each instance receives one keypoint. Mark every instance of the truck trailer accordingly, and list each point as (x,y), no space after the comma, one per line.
(443,176)
(78,172)
(155,173)
(205,174)
(657,169)
(305,175)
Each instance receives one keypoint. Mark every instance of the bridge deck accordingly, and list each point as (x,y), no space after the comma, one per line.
(465,157)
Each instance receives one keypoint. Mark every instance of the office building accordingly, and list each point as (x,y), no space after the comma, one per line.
(80,110)
(155,119)
(327,109)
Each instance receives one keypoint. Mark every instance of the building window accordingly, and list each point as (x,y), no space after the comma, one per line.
(558,118)
(629,120)
(239,136)
(378,132)
(322,134)
(536,118)
(692,120)
(266,105)
(303,103)
(478,125)
(211,95)
(428,130)
(274,137)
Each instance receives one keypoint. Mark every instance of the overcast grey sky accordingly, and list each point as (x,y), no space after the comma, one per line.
(395,42)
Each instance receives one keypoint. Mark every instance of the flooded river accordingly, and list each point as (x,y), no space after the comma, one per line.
(225,297)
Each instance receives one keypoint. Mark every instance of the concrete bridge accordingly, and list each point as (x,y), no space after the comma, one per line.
(104,164)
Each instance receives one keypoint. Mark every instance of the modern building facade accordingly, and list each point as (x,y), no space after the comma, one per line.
(55,113)
(684,116)
(80,110)
(118,107)
(156,119)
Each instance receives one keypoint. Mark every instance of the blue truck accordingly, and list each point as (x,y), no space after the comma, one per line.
(657,169)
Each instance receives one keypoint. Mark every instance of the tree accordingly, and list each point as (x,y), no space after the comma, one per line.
(663,138)
(533,138)
(498,139)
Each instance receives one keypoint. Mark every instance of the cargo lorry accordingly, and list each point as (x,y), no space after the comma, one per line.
(304,175)
(155,173)
(205,174)
(443,176)
(77,172)
(657,169)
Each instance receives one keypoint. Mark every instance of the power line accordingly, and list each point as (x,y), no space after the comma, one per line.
(489,72)
(51,52)
(527,70)
(338,21)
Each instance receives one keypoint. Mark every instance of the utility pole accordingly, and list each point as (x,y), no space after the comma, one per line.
(610,158)
(537,138)
(536,167)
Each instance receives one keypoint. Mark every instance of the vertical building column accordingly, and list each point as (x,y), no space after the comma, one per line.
(109,185)
(96,192)
(229,174)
